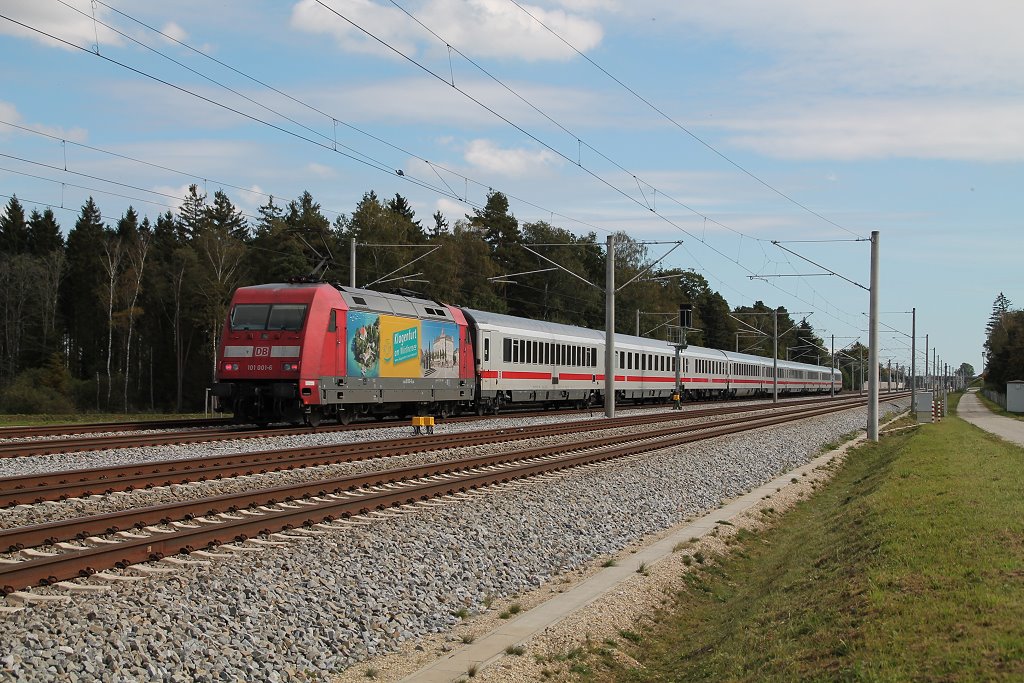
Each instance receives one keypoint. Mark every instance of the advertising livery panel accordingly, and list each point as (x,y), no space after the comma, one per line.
(391,346)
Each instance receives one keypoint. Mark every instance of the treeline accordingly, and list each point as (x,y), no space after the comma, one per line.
(125,315)
(1004,345)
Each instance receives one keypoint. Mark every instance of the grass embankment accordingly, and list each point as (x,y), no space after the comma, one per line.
(908,566)
(78,418)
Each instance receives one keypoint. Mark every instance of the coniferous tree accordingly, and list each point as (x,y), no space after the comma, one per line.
(82,293)
(275,254)
(440,224)
(44,236)
(500,230)
(223,216)
(994,328)
(192,215)
(400,205)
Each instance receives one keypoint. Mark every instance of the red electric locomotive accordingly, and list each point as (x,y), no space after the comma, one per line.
(309,351)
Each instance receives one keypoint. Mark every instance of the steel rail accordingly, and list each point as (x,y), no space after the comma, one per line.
(314,503)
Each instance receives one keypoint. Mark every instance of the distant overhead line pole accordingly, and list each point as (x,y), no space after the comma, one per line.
(872,289)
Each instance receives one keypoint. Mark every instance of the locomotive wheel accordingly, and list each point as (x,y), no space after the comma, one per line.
(344,417)
(313,418)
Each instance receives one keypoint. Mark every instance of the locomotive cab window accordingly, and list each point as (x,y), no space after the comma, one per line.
(286,317)
(250,317)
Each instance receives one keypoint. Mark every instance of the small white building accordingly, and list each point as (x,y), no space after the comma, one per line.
(1015,396)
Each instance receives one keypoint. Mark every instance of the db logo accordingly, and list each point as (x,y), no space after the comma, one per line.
(262,350)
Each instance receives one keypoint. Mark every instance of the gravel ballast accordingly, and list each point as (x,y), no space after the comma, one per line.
(314,607)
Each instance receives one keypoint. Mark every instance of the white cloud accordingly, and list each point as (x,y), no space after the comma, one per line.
(175,199)
(320,170)
(436,102)
(879,129)
(9,113)
(479,28)
(175,31)
(76,27)
(515,162)
(874,45)
(451,209)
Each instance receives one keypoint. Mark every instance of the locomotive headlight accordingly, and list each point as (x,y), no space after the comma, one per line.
(229,367)
(290,367)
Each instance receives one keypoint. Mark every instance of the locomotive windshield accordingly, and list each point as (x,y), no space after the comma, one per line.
(268,317)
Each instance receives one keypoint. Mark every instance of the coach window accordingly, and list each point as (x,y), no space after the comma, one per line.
(506,350)
(487,349)
(529,351)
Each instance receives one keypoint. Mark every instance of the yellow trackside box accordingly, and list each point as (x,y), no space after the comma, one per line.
(423,423)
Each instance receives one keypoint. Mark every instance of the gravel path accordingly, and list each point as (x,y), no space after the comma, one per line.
(306,610)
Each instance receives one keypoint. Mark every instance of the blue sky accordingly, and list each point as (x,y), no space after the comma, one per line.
(815,121)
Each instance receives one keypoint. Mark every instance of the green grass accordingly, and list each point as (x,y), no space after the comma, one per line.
(7,419)
(909,565)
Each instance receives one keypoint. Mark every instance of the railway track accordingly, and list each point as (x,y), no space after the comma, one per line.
(85,546)
(36,488)
(214,431)
(18,432)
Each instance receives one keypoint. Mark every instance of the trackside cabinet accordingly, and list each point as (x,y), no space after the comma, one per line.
(923,402)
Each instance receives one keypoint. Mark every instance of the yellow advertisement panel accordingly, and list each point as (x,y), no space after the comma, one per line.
(399,347)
